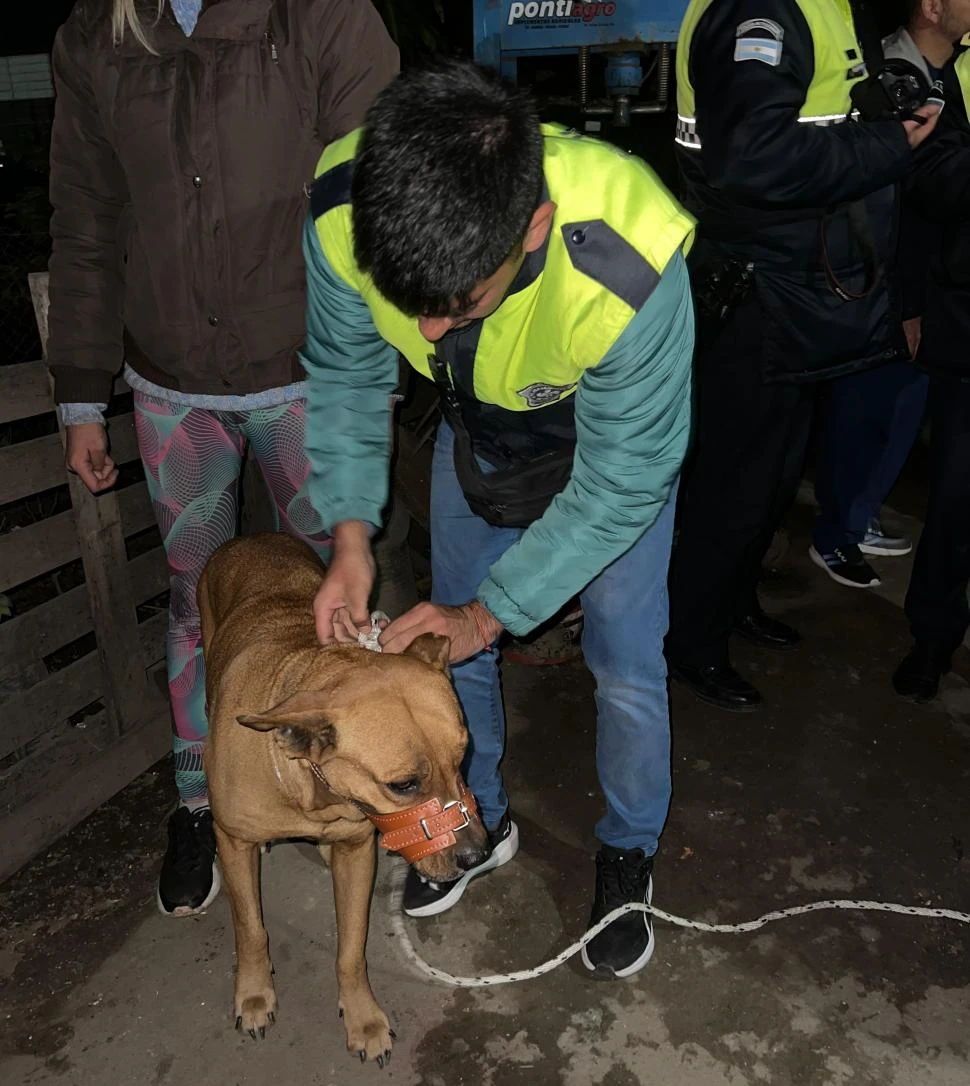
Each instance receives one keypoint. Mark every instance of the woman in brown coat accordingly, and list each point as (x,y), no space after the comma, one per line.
(185,133)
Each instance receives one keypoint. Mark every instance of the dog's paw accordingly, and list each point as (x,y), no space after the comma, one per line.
(369,1034)
(255,1012)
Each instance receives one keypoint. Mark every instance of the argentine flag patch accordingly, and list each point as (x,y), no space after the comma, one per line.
(766,50)
(766,47)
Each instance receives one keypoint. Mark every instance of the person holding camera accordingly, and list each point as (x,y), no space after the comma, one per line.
(872,418)
(796,205)
(936,603)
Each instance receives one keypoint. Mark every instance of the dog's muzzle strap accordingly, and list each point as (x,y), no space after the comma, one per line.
(428,828)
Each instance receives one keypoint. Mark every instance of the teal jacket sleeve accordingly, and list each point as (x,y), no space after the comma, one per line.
(351,375)
(633,424)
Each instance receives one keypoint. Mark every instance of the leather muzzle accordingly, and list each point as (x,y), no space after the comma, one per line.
(428,828)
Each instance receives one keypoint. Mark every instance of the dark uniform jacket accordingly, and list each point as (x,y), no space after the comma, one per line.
(941,185)
(813,206)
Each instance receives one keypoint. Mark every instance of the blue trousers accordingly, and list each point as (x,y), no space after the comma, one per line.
(869,423)
(625,621)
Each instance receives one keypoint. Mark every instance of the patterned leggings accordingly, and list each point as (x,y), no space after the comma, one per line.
(192,459)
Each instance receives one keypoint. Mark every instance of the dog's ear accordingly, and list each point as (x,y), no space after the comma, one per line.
(301,727)
(433,649)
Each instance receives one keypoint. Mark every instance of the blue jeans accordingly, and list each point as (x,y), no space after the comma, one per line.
(625,611)
(869,423)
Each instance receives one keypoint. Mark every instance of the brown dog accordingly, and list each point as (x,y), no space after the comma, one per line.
(322,743)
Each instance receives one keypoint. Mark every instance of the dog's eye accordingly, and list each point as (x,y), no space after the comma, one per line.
(404,788)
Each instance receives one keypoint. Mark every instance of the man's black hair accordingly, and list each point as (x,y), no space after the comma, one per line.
(447,177)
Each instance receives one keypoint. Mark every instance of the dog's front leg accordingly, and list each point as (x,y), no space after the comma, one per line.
(368,1031)
(255,997)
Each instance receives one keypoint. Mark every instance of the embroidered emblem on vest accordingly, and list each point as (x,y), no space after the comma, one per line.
(539,394)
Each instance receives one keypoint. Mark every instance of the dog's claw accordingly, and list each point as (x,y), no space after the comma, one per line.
(340,1012)
(272,1018)
(387,1055)
(239,1022)
(363,1055)
(252,1033)
(262,1033)
(393,1034)
(380,1062)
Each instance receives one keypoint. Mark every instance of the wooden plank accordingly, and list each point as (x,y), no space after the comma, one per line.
(28,552)
(148,575)
(24,391)
(30,467)
(40,707)
(37,633)
(135,509)
(79,789)
(101,540)
(151,639)
(121,434)
(39,282)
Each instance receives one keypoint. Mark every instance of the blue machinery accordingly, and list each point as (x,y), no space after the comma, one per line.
(627,32)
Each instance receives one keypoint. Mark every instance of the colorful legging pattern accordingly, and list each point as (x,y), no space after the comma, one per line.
(193,459)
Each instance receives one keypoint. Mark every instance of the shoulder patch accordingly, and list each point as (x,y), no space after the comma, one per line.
(764,49)
(331,189)
(540,393)
(598,251)
(750,26)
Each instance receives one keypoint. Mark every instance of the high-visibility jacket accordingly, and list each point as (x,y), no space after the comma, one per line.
(616,228)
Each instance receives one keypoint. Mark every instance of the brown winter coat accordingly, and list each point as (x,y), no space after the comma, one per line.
(178,180)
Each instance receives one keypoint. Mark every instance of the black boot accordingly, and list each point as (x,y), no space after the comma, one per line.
(767,632)
(918,676)
(718,685)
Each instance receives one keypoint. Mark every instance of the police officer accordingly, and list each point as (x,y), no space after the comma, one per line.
(936,604)
(796,205)
(538,277)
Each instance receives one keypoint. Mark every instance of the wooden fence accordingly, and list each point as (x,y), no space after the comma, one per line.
(82,699)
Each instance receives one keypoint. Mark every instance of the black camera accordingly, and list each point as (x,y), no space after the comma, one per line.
(892,93)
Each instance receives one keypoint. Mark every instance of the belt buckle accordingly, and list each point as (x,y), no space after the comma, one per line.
(423,823)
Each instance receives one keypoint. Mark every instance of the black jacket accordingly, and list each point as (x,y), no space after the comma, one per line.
(814,208)
(941,185)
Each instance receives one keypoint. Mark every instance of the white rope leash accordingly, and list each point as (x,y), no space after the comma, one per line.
(397,923)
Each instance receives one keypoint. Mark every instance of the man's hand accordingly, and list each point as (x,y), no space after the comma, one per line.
(913,331)
(340,606)
(471,628)
(87,456)
(916,132)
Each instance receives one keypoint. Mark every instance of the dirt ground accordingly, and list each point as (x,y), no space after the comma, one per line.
(836,789)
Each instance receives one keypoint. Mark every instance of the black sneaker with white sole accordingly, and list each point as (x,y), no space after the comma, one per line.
(625,946)
(425,898)
(847,566)
(189,880)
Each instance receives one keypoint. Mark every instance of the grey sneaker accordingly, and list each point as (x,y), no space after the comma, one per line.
(880,545)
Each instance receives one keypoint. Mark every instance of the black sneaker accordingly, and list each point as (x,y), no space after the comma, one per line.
(425,898)
(189,881)
(624,947)
(847,566)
